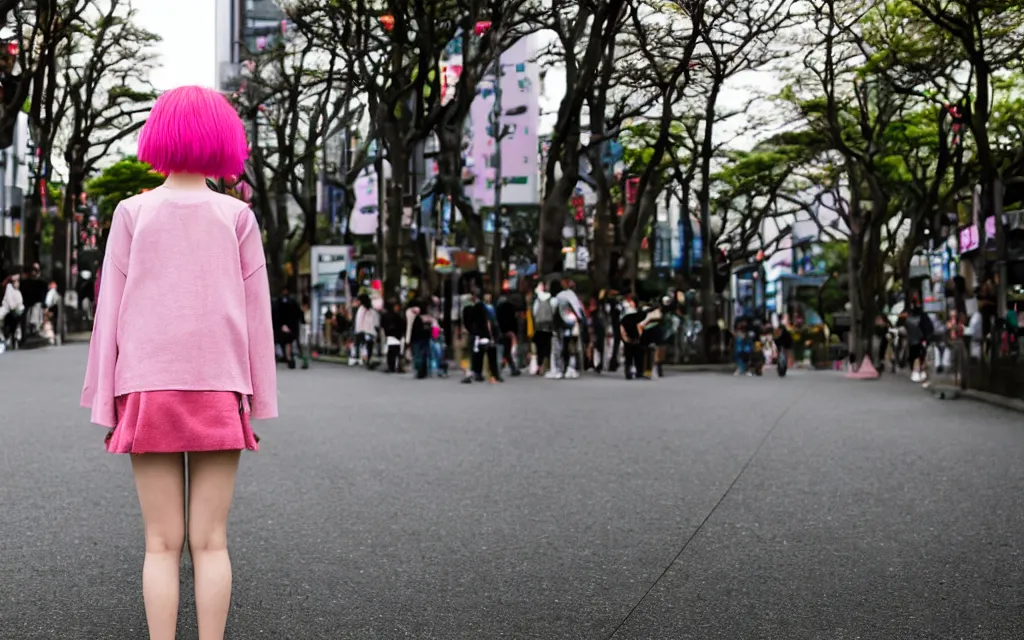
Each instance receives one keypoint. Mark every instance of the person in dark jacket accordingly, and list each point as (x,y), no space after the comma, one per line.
(287,317)
(919,331)
(508,324)
(477,322)
(419,341)
(393,325)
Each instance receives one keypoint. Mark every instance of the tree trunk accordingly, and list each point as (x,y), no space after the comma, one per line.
(449,165)
(556,204)
(646,210)
(707,269)
(601,255)
(277,234)
(399,159)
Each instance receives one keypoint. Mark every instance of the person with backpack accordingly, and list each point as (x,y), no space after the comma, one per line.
(570,321)
(543,326)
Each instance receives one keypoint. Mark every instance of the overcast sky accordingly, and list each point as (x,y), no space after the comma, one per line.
(187,29)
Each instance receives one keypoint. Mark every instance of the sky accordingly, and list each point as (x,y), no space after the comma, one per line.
(187,51)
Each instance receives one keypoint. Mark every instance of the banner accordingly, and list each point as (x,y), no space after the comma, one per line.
(520,118)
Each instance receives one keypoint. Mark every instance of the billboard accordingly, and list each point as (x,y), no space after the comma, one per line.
(520,118)
(363,220)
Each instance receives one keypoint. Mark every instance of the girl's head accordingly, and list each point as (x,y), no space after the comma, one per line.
(194,130)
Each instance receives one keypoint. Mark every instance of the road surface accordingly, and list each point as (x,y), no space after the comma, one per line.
(698,506)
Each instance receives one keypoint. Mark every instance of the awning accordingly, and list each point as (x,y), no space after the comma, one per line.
(795,280)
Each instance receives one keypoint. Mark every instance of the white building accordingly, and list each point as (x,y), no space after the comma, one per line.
(14,173)
(238,25)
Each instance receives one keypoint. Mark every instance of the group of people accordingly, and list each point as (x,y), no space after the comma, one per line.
(755,343)
(28,306)
(548,332)
(407,335)
(569,336)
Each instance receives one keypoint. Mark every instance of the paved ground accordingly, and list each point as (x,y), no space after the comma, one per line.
(700,506)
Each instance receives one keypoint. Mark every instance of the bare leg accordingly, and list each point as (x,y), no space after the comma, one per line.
(160,482)
(211,487)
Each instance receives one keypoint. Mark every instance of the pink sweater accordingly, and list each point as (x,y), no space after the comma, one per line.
(186,304)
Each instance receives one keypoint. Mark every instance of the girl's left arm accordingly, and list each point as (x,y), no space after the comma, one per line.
(259,323)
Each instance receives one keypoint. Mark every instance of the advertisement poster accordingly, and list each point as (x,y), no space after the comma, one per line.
(363,221)
(520,118)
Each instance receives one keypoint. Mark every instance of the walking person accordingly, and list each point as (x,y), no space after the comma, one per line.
(393,324)
(570,320)
(12,309)
(367,328)
(419,338)
(543,327)
(477,322)
(178,396)
(631,329)
(508,326)
(287,317)
(919,331)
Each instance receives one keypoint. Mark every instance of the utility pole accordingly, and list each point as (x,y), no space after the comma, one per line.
(378,164)
(499,134)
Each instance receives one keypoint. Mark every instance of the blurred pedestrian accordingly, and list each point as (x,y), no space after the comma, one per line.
(287,323)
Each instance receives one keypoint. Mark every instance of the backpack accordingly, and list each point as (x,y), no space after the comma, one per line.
(544,319)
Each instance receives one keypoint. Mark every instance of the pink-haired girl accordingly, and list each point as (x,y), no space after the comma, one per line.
(189,387)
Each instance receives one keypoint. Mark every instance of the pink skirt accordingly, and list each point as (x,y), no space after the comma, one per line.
(181,421)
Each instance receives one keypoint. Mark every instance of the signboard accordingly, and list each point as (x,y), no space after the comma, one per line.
(520,119)
(969,240)
(330,269)
(363,219)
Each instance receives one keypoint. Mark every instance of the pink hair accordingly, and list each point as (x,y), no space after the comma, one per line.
(194,130)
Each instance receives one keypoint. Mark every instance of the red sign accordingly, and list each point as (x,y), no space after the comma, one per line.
(577,203)
(632,189)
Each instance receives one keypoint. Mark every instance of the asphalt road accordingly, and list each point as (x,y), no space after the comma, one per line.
(699,506)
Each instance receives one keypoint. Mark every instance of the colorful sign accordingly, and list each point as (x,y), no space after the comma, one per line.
(969,240)
(519,119)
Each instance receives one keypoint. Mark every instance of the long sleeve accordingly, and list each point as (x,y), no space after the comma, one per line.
(259,323)
(262,359)
(98,391)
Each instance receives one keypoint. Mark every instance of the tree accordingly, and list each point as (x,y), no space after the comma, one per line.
(44,34)
(852,111)
(294,93)
(104,81)
(737,36)
(123,179)
(582,32)
(759,186)
(15,85)
(990,36)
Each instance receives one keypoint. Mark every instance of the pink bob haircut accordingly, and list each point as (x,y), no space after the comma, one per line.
(194,130)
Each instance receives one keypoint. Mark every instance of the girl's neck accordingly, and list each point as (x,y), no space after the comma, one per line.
(186,182)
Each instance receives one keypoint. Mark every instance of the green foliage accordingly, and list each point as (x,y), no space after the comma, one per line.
(121,180)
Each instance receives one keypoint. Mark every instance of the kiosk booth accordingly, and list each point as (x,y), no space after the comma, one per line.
(330,269)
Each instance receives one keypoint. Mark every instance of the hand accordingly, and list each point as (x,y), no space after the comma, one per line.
(285,329)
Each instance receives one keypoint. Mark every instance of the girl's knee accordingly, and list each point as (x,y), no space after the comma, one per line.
(166,541)
(207,540)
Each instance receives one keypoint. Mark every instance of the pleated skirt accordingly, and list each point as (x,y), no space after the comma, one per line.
(181,421)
